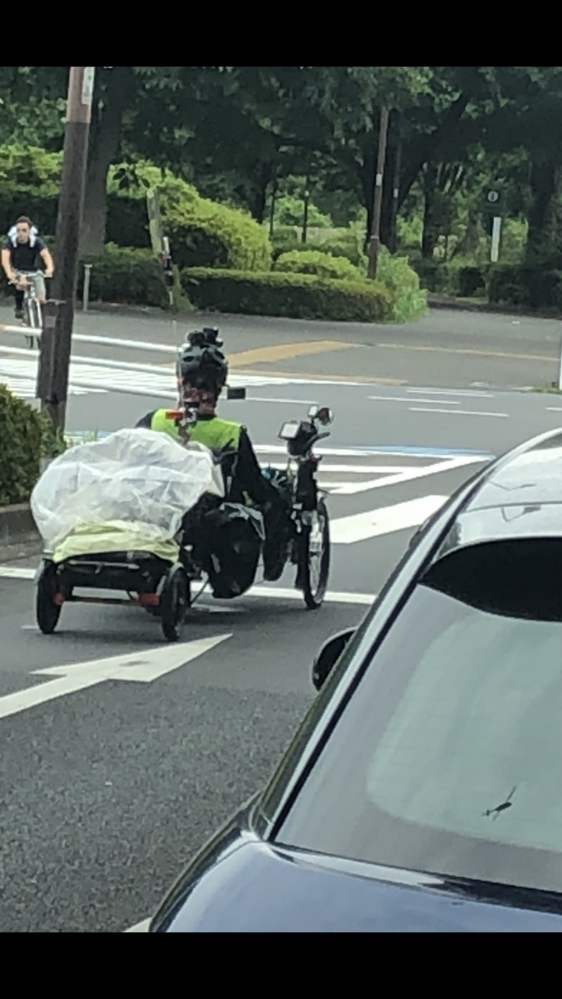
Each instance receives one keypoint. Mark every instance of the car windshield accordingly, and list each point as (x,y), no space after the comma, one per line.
(447,758)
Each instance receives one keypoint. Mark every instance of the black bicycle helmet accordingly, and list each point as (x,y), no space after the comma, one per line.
(202,363)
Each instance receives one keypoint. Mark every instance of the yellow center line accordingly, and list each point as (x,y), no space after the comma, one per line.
(467,350)
(286,351)
(362,379)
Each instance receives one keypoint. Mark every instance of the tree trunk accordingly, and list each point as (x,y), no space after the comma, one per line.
(541,238)
(430,232)
(105,141)
(262,175)
(367,174)
(421,149)
(386,213)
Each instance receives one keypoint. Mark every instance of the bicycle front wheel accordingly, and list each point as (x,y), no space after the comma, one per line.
(33,313)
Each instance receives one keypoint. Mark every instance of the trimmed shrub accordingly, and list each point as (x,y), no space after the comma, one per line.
(126,275)
(395,273)
(202,232)
(348,250)
(456,279)
(525,286)
(319,263)
(286,234)
(435,277)
(472,281)
(293,296)
(20,455)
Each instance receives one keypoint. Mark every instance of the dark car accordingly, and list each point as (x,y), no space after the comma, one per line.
(422,791)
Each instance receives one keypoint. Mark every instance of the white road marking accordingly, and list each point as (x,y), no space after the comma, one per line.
(455,392)
(554,409)
(353,469)
(408,475)
(269,592)
(422,454)
(85,378)
(292,402)
(457,412)
(278,593)
(393,398)
(9,572)
(386,520)
(141,667)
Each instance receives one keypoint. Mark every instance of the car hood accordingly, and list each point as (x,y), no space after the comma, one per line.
(250,887)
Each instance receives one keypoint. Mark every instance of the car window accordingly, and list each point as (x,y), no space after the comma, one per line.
(448,757)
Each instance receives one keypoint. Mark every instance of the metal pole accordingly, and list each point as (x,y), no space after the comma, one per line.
(377,202)
(393,246)
(560,369)
(496,238)
(87,279)
(67,237)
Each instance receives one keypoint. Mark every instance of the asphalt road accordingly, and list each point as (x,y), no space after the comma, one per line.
(446,348)
(106,790)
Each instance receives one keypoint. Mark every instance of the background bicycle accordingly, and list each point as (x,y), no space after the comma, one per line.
(33,283)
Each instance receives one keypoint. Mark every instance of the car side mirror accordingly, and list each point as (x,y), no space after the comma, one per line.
(328,656)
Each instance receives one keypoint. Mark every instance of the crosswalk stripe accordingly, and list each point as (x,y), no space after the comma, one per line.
(385,520)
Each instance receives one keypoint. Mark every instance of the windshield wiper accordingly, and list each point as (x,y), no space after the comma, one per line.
(501,808)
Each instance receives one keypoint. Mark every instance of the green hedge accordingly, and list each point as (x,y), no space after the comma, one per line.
(22,430)
(202,232)
(436,278)
(472,281)
(291,296)
(527,287)
(348,248)
(395,273)
(319,263)
(126,275)
(465,281)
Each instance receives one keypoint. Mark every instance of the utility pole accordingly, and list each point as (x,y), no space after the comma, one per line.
(396,190)
(374,242)
(54,361)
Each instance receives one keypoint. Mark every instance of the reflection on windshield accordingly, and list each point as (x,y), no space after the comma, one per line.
(480,714)
(447,759)
(494,812)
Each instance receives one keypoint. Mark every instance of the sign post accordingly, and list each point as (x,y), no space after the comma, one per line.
(160,242)
(493,204)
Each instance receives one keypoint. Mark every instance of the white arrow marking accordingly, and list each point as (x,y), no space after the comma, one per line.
(142,667)
(361,526)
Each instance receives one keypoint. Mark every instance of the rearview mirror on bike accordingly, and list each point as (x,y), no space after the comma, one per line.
(234,392)
(321,414)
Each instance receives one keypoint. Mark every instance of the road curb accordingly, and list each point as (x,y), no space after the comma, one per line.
(17,526)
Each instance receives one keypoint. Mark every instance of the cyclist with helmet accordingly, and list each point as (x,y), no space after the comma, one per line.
(202,375)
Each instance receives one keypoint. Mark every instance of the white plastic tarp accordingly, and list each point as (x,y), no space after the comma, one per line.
(134,476)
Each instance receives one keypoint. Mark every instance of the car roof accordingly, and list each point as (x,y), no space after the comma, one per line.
(519,497)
